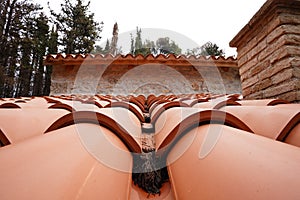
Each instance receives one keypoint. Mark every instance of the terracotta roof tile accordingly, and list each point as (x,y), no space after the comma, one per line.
(58,166)
(293,137)
(170,60)
(153,124)
(118,120)
(263,102)
(20,124)
(176,121)
(9,105)
(240,165)
(270,121)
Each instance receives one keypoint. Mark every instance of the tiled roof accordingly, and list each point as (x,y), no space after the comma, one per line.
(91,147)
(132,60)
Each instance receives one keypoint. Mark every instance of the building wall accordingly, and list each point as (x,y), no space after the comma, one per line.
(269,52)
(145,79)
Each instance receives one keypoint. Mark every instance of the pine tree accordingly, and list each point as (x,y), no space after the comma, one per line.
(52,49)
(211,49)
(77,29)
(107,47)
(114,40)
(16,40)
(208,49)
(161,46)
(40,47)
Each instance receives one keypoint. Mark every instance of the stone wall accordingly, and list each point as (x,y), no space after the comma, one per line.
(269,52)
(144,79)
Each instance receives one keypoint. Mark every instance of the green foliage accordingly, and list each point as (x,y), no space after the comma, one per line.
(160,46)
(78,31)
(208,49)
(23,40)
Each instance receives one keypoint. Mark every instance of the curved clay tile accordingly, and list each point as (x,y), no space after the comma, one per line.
(274,122)
(181,98)
(9,105)
(293,137)
(239,166)
(172,57)
(182,57)
(161,57)
(130,56)
(99,105)
(3,139)
(230,58)
(132,107)
(150,97)
(70,56)
(137,103)
(20,101)
(151,101)
(289,127)
(37,102)
(228,102)
(101,119)
(62,106)
(79,104)
(139,57)
(51,100)
(178,123)
(263,102)
(149,57)
(216,103)
(153,105)
(140,98)
(102,103)
(98,55)
(234,97)
(163,107)
(67,165)
(193,102)
(21,124)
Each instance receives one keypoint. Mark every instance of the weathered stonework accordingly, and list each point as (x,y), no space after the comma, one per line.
(144,75)
(269,52)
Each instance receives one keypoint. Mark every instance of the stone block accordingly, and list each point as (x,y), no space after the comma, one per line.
(282,76)
(248,65)
(286,86)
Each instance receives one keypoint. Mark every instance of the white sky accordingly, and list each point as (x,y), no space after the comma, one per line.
(190,23)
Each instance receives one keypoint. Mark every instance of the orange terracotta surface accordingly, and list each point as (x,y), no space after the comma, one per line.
(269,121)
(160,108)
(129,59)
(174,122)
(216,103)
(293,137)
(121,121)
(263,102)
(239,166)
(58,166)
(79,146)
(20,124)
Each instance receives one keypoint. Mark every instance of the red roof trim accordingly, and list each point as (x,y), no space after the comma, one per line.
(200,118)
(100,119)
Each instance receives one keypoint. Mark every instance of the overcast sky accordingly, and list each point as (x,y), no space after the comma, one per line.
(190,23)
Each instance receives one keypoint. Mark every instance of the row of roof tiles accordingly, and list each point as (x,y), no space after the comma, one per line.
(42,123)
(150,110)
(129,59)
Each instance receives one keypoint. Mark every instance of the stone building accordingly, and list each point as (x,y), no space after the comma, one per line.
(124,75)
(269,52)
